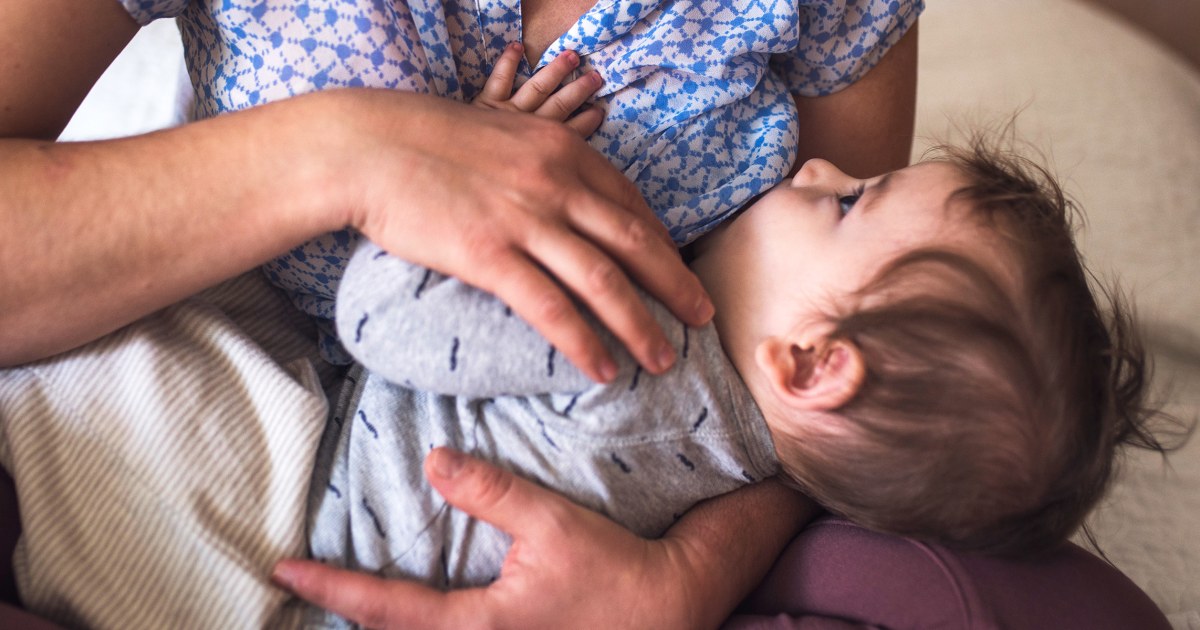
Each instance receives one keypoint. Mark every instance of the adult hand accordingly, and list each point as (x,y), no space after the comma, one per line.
(570,567)
(567,565)
(518,206)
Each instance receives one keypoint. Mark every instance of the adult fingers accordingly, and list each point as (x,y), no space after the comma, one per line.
(600,177)
(499,85)
(514,505)
(534,92)
(654,265)
(545,306)
(596,279)
(370,601)
(570,97)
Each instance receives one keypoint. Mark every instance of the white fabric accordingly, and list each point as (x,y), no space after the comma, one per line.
(161,95)
(164,469)
(1119,117)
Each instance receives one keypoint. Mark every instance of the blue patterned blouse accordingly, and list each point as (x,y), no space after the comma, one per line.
(697,91)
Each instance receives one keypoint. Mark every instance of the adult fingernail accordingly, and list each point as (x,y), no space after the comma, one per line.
(447,463)
(665,357)
(608,371)
(283,576)
(704,309)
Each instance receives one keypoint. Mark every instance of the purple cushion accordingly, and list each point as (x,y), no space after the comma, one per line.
(836,574)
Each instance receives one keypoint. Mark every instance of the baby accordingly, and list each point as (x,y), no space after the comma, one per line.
(919,352)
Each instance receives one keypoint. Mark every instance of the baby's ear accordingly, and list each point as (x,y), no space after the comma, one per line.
(820,376)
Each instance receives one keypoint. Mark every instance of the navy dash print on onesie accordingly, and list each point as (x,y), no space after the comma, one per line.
(374,518)
(546,435)
(636,375)
(571,405)
(358,329)
(421,286)
(370,427)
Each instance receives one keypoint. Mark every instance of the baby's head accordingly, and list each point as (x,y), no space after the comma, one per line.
(927,351)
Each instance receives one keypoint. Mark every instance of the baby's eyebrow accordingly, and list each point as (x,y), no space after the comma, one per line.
(875,191)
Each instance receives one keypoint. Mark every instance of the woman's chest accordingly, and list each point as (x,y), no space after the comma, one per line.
(544,21)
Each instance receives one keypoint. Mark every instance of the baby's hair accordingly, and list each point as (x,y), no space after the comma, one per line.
(987,421)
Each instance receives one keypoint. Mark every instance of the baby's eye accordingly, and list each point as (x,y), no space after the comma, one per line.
(847,202)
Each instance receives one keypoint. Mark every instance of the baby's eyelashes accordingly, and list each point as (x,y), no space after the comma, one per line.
(847,202)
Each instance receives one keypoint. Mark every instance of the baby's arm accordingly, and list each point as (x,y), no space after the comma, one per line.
(423,330)
(418,328)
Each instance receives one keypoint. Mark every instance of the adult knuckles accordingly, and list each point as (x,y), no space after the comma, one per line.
(553,308)
(484,246)
(491,488)
(605,278)
(373,614)
(555,139)
(638,236)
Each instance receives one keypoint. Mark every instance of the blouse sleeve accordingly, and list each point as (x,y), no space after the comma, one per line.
(146,11)
(841,40)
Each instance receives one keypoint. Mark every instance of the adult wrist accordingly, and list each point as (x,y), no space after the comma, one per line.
(724,547)
(317,159)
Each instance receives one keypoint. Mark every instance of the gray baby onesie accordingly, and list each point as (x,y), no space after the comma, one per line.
(448,365)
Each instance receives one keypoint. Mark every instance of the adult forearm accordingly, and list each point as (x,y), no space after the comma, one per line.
(727,544)
(866,129)
(98,234)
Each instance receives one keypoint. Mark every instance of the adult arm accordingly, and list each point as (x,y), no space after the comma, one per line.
(865,129)
(98,234)
(853,76)
(570,566)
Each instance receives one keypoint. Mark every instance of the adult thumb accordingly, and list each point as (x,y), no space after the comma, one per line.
(488,493)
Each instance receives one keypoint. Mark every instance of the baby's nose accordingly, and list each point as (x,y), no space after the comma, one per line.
(817,171)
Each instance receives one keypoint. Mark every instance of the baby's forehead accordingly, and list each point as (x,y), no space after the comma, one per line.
(930,184)
(930,173)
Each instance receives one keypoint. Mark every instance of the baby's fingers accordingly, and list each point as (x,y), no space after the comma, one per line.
(570,97)
(500,84)
(587,121)
(535,92)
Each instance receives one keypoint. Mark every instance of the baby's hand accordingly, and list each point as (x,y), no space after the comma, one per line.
(538,96)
